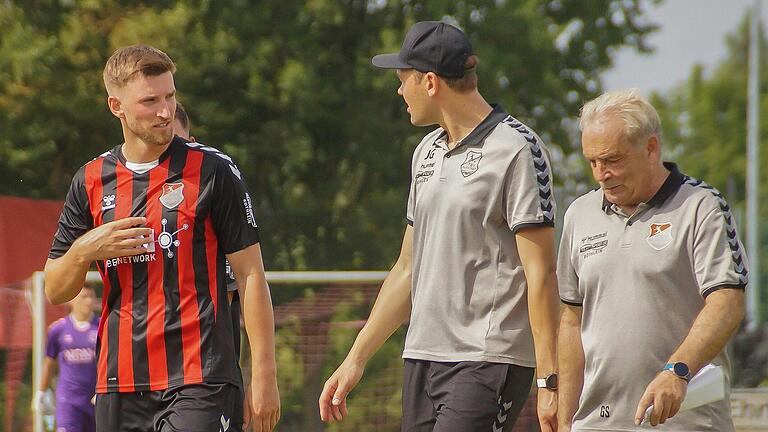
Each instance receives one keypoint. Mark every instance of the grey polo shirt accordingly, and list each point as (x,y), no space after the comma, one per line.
(642,280)
(469,291)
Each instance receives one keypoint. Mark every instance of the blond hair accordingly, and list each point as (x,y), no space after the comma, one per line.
(126,62)
(640,118)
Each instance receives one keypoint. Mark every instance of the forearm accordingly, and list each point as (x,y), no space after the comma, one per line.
(259,322)
(543,308)
(64,277)
(391,309)
(45,375)
(571,362)
(711,330)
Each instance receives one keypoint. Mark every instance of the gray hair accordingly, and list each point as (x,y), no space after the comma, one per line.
(640,118)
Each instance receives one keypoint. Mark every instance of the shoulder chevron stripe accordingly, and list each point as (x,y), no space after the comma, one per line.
(217,152)
(543,174)
(733,239)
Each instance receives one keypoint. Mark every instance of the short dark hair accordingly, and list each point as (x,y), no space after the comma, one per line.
(181,115)
(463,84)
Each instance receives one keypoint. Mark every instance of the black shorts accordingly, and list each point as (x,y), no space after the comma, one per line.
(463,396)
(189,408)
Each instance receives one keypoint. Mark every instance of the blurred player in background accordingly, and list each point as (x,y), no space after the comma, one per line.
(71,344)
(242,414)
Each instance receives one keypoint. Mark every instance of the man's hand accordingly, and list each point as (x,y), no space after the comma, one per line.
(546,408)
(666,393)
(265,403)
(247,408)
(115,239)
(333,399)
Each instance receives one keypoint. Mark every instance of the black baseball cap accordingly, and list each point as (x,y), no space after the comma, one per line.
(430,46)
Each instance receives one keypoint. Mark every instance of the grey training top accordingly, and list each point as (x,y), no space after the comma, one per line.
(642,281)
(469,299)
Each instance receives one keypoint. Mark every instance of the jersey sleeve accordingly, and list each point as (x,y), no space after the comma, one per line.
(719,260)
(75,219)
(232,211)
(528,193)
(52,342)
(567,278)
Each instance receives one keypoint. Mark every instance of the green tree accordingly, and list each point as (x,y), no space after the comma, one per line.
(286,87)
(704,129)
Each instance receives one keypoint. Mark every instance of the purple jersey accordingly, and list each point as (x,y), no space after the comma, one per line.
(75,350)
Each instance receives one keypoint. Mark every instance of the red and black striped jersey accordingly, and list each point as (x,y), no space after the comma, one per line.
(165,317)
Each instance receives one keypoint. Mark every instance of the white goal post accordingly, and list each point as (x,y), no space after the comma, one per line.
(273,277)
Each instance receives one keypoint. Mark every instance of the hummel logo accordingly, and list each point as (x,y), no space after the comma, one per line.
(108,202)
(224,424)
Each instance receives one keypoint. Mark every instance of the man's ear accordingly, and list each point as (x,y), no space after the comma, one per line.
(115,106)
(653,147)
(432,83)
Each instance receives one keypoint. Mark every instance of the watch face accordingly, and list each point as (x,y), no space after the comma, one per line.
(552,381)
(681,369)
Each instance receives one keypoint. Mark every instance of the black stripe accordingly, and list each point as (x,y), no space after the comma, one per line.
(205,310)
(109,186)
(546,223)
(173,342)
(570,303)
(140,296)
(710,290)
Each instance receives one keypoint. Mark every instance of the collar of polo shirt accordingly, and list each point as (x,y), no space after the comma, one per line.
(481,131)
(669,188)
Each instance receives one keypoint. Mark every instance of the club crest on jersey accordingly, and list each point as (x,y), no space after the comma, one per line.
(660,235)
(471,163)
(172,195)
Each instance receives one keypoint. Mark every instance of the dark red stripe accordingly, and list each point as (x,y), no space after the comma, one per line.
(123,204)
(158,365)
(94,188)
(190,315)
(211,255)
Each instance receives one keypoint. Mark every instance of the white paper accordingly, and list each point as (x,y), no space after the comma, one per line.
(705,387)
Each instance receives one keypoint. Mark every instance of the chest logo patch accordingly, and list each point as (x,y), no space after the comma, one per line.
(172,195)
(593,244)
(471,163)
(108,202)
(660,235)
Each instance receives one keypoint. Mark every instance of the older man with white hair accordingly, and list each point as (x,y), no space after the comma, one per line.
(652,274)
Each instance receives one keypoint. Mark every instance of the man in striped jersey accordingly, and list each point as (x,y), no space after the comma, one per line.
(476,272)
(159,215)
(652,274)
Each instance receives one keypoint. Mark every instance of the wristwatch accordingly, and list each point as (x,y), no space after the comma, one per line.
(549,382)
(680,369)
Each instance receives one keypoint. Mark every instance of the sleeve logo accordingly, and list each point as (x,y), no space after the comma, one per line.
(660,235)
(172,195)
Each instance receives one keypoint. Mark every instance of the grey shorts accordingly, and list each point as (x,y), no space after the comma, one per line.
(463,396)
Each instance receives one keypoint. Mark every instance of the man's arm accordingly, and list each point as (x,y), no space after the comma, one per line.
(571,362)
(536,247)
(391,309)
(259,320)
(713,327)
(65,275)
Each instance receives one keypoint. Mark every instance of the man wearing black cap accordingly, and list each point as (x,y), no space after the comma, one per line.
(476,272)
